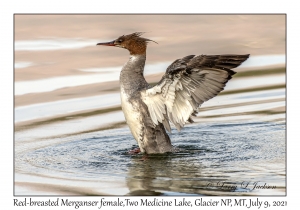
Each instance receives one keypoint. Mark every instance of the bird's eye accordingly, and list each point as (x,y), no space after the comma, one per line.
(120,40)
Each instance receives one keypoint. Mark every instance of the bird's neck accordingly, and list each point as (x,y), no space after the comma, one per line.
(132,74)
(135,64)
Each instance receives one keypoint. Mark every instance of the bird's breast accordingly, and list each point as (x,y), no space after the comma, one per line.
(132,113)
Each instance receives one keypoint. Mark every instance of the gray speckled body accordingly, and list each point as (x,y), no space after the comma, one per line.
(150,137)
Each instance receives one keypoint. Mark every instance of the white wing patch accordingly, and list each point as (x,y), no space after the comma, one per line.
(168,97)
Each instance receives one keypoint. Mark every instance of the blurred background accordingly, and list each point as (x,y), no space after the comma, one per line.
(67,90)
(57,47)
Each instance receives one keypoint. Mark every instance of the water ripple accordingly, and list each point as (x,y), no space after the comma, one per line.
(204,153)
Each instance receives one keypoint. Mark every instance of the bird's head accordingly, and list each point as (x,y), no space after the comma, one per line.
(134,43)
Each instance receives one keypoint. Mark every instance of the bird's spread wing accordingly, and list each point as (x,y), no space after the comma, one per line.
(187,83)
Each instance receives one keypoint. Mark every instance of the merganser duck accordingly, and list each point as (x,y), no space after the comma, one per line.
(187,83)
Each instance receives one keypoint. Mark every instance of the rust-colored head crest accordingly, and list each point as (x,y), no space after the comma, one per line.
(132,42)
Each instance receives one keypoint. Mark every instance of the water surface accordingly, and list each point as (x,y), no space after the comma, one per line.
(208,155)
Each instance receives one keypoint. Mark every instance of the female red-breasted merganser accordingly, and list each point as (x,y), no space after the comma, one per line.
(187,83)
